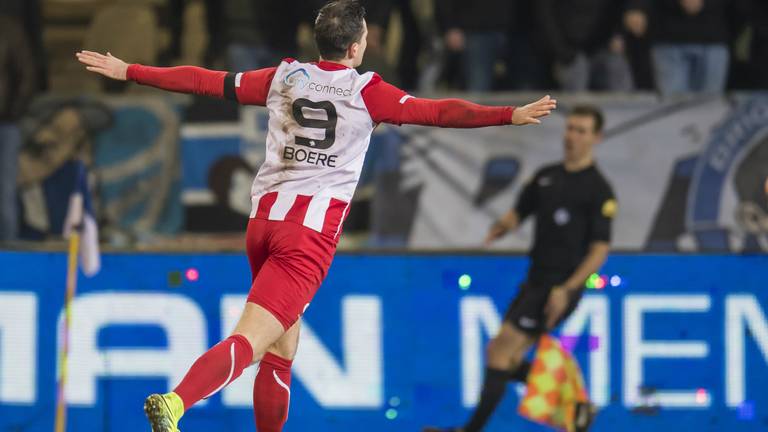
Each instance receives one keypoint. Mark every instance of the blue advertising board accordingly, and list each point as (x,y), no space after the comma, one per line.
(391,342)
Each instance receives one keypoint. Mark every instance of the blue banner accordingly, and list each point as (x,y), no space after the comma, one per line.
(391,342)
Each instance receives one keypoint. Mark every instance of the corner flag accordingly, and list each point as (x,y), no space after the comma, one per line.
(83,235)
(81,219)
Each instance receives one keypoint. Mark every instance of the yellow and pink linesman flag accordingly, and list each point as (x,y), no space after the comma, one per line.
(82,219)
(555,387)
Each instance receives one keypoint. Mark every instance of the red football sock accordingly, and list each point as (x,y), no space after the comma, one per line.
(271,393)
(215,369)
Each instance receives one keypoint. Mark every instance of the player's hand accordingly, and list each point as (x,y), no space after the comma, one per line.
(531,113)
(107,65)
(556,305)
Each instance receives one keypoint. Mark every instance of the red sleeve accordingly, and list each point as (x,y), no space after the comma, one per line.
(182,79)
(388,104)
(247,88)
(252,88)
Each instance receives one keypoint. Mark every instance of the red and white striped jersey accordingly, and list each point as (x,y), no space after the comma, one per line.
(319,131)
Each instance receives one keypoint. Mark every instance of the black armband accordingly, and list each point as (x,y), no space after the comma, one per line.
(229,86)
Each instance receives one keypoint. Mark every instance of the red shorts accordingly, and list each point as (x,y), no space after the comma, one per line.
(288,263)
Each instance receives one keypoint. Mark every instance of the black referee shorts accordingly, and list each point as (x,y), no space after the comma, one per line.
(527,309)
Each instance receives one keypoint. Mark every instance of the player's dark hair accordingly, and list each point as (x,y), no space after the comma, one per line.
(590,111)
(339,24)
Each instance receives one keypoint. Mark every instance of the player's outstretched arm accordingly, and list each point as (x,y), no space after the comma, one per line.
(181,79)
(459,113)
(388,104)
(250,89)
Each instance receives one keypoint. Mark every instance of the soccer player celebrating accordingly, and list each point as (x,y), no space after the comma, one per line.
(574,206)
(321,116)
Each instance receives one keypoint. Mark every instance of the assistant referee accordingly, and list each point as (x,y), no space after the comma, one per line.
(573,206)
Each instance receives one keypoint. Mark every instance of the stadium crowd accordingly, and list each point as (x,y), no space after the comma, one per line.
(574,45)
(674,46)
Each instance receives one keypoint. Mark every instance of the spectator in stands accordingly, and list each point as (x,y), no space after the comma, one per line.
(405,73)
(17,86)
(583,39)
(377,14)
(759,55)
(526,65)
(29,15)
(259,33)
(479,30)
(172,16)
(689,42)
(638,52)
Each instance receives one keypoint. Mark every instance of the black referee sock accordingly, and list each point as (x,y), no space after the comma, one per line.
(494,387)
(521,373)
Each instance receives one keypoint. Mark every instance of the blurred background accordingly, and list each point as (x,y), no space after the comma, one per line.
(167,178)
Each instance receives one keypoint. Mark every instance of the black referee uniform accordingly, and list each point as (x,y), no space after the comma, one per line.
(572,210)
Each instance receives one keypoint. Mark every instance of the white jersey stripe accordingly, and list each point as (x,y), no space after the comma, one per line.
(315,217)
(283,203)
(254,205)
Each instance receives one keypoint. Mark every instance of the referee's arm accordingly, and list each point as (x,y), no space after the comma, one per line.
(598,252)
(526,204)
(602,212)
